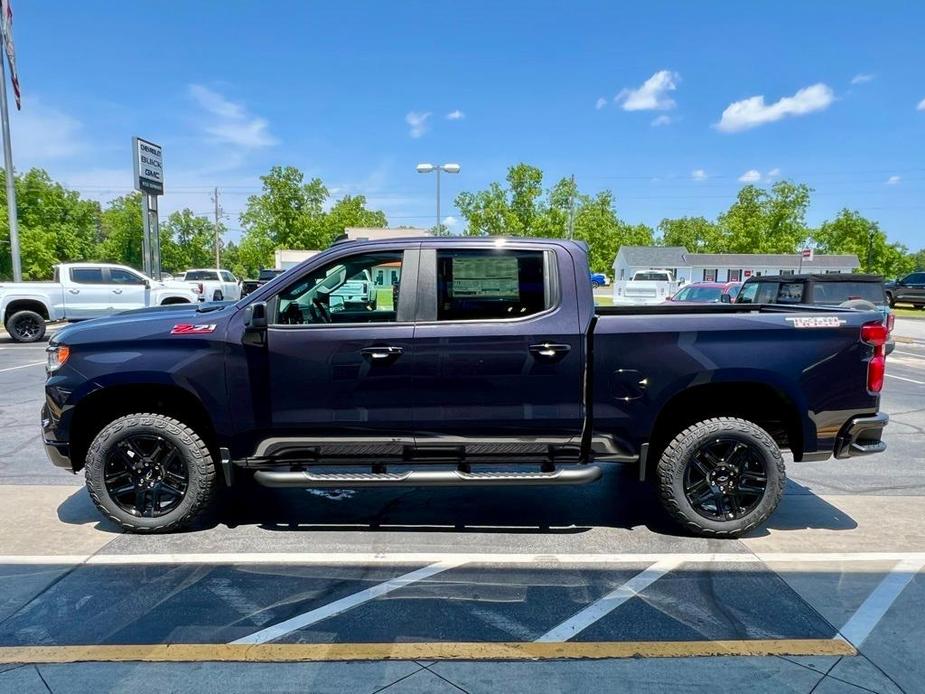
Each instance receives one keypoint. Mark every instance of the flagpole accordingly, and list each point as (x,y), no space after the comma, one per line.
(10,183)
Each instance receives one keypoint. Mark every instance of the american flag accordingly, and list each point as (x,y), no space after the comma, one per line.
(6,26)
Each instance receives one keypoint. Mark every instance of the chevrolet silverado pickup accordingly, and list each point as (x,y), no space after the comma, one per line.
(486,364)
(80,291)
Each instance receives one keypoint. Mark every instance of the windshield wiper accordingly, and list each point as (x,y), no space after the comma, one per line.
(208,308)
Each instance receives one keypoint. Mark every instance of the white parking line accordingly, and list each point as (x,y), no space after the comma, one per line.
(577,623)
(22,366)
(903,378)
(909,354)
(877,603)
(303,620)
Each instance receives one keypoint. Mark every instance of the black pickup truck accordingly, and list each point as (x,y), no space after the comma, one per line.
(487,364)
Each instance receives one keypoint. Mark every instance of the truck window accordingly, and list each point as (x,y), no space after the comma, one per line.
(342,292)
(228,277)
(201,276)
(87,275)
(837,292)
(490,284)
(790,293)
(117,276)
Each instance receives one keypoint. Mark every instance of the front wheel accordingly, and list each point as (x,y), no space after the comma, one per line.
(150,473)
(26,326)
(721,477)
(595,284)
(890,300)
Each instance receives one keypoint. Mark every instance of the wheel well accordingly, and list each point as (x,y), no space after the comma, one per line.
(25,305)
(757,402)
(102,407)
(174,300)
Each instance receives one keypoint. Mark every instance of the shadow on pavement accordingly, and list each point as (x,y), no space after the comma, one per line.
(618,500)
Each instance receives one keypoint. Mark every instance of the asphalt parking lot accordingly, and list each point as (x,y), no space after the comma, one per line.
(522,589)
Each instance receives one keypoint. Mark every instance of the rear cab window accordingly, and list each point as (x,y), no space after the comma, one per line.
(839,292)
(490,284)
(201,276)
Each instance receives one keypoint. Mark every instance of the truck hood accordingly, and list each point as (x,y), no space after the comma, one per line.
(145,323)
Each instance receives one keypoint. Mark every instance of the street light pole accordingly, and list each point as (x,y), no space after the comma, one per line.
(10,181)
(431,168)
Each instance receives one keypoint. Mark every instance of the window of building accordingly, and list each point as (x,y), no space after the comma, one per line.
(87,275)
(833,272)
(343,292)
(734,275)
(490,284)
(709,275)
(786,273)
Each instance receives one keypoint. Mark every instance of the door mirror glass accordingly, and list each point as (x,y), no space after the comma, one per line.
(725,299)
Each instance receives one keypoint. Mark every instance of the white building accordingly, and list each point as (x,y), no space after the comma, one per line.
(723,267)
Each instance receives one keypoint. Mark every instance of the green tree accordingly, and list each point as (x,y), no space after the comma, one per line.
(766,221)
(597,224)
(290,213)
(696,234)
(850,232)
(55,225)
(188,241)
(122,231)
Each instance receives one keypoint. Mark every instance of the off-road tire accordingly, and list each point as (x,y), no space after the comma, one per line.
(192,449)
(14,326)
(674,461)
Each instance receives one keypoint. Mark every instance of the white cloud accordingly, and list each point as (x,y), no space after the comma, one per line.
(41,134)
(921,106)
(892,180)
(752,112)
(455,115)
(750,176)
(418,123)
(773,173)
(450,221)
(661,120)
(699,175)
(231,122)
(862,77)
(600,103)
(652,95)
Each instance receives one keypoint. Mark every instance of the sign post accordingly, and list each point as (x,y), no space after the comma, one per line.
(148,167)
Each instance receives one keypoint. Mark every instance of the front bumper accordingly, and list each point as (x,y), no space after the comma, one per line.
(861,436)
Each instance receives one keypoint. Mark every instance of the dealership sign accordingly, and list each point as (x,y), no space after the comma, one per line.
(148,166)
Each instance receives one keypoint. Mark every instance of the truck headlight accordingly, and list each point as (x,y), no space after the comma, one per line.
(57,356)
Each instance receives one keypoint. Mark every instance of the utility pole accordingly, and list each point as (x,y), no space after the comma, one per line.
(571,209)
(218,216)
(10,181)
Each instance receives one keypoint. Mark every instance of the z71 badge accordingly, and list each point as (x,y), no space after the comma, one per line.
(817,322)
(189,329)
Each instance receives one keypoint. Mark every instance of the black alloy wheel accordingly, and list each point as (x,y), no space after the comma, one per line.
(725,479)
(145,475)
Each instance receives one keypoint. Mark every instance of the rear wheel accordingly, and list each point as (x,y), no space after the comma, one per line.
(150,473)
(721,477)
(595,284)
(26,326)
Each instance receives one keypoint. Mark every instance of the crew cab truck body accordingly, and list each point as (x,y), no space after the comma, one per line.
(213,284)
(80,291)
(488,365)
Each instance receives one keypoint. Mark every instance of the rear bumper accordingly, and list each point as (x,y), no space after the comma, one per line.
(861,436)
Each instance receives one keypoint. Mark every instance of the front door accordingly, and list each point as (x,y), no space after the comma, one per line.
(127,290)
(340,362)
(87,294)
(913,288)
(498,358)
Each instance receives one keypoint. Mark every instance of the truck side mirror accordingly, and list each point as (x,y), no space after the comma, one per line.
(725,299)
(255,317)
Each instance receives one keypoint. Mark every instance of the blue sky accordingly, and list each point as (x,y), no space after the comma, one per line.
(667,104)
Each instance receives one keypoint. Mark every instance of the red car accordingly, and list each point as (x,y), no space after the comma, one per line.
(708,292)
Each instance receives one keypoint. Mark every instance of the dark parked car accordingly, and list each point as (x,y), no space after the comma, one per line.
(708,292)
(492,367)
(909,290)
(264,276)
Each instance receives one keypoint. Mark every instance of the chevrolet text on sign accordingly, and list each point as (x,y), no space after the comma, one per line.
(149,167)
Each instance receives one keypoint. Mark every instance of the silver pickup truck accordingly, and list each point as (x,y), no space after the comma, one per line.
(80,291)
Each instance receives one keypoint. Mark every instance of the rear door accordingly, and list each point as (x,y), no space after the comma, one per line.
(87,294)
(913,289)
(498,355)
(128,290)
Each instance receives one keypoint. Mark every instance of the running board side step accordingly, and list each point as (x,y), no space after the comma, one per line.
(426,478)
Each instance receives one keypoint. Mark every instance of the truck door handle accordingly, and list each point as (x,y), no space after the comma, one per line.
(74,291)
(116,291)
(381,354)
(549,351)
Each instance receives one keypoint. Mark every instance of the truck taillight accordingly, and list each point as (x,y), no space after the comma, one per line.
(890,321)
(199,288)
(875,334)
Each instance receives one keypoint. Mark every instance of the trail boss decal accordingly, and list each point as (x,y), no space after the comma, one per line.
(817,322)
(189,329)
